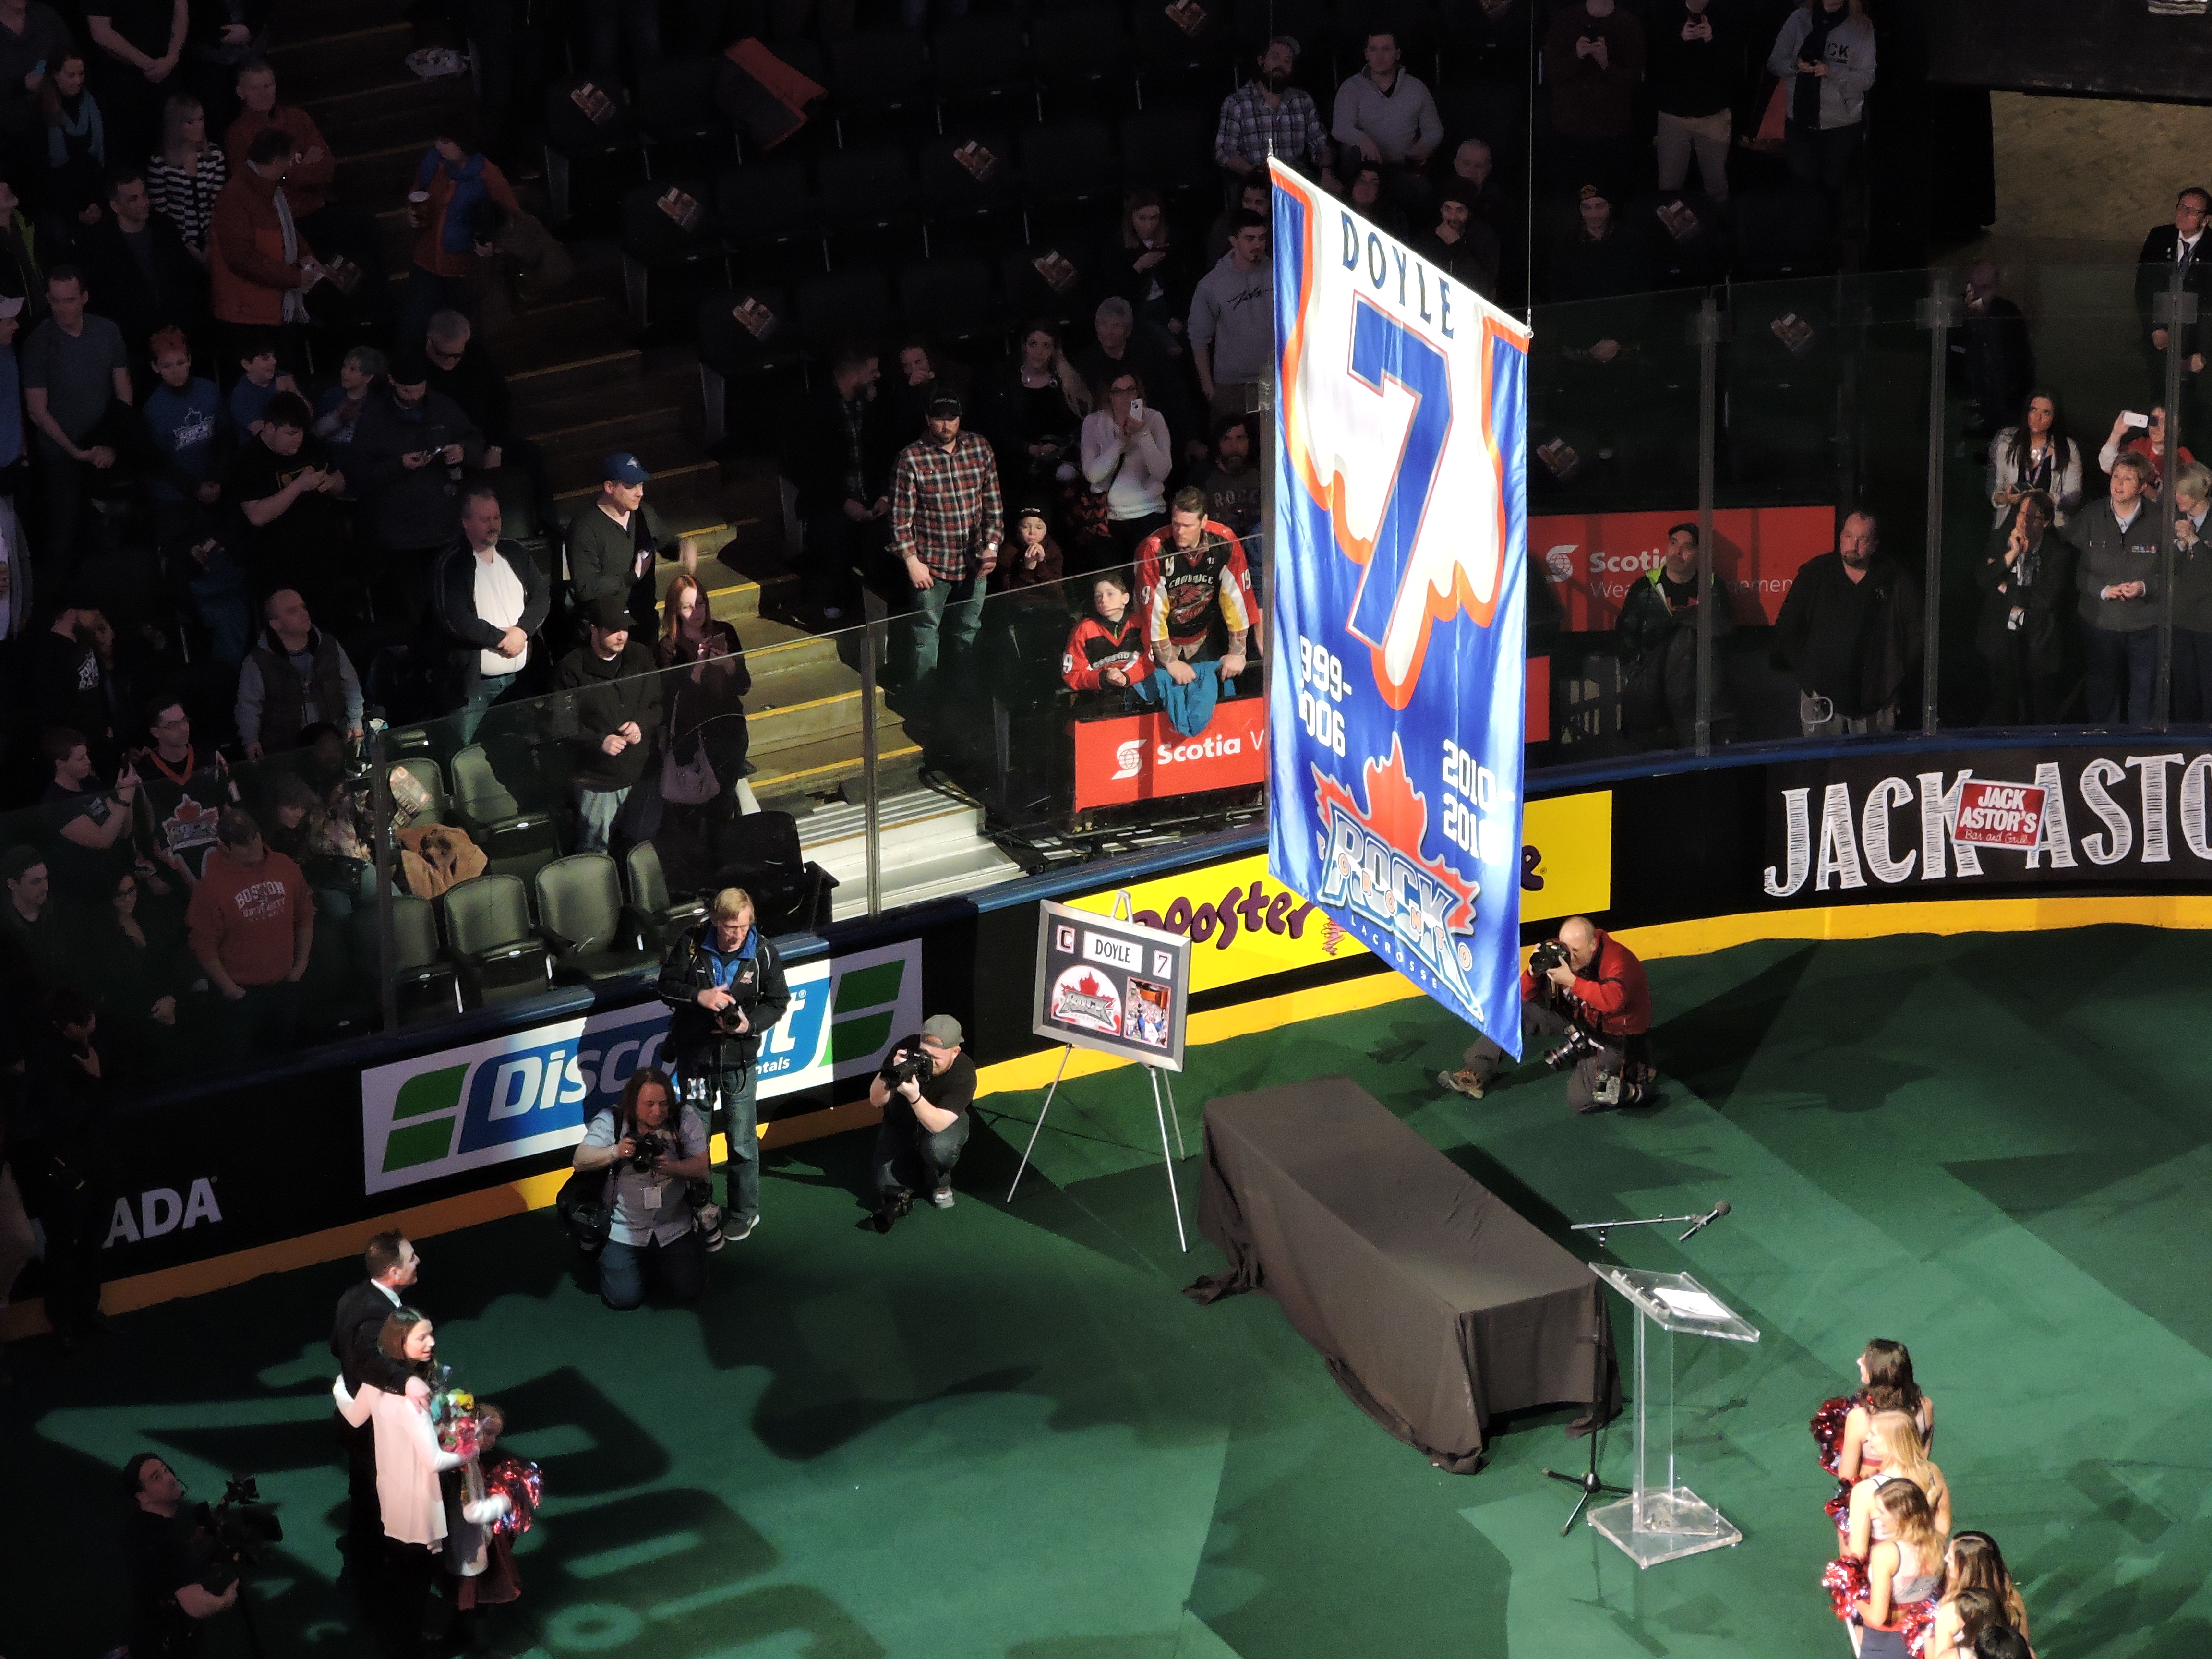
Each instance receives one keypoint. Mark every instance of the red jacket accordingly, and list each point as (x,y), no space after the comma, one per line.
(1610,988)
(306,186)
(1097,645)
(247,273)
(429,245)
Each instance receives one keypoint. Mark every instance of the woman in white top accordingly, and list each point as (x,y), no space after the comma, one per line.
(1126,457)
(2036,455)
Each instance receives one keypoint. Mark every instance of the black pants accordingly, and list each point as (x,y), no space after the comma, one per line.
(74,1224)
(2192,675)
(2122,674)
(1661,696)
(2018,692)
(67,487)
(1541,1019)
(264,1021)
(836,546)
(404,1599)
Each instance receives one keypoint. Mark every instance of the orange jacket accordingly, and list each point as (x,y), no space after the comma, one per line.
(429,245)
(307,186)
(247,272)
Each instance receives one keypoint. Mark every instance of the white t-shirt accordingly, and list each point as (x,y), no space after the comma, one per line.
(500,600)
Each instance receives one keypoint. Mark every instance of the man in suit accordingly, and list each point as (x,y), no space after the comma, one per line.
(2178,243)
(392,1267)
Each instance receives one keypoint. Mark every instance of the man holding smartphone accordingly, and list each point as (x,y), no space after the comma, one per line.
(411,446)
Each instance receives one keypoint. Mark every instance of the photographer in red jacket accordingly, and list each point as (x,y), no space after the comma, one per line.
(1588,987)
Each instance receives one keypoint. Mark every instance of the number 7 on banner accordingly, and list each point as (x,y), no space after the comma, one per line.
(1390,611)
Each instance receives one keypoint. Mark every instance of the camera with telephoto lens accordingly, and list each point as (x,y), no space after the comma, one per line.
(647,1151)
(233,1535)
(917,1066)
(1579,1045)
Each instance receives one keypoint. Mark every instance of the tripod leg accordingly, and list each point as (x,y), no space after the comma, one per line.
(1174,1197)
(1039,1129)
(1174,1116)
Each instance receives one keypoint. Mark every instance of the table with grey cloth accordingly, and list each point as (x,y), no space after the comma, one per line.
(1436,1306)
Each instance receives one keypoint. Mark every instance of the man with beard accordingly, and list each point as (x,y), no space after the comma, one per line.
(1268,116)
(1851,631)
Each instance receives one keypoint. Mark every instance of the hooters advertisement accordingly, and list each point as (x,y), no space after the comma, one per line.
(1118,985)
(1397,685)
(1142,757)
(1590,560)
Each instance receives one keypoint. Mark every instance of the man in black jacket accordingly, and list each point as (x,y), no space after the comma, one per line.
(723,982)
(140,275)
(841,460)
(490,598)
(391,1265)
(1658,629)
(2180,244)
(616,687)
(1851,631)
(409,448)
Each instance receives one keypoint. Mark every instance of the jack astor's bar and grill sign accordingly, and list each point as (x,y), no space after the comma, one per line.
(2057,816)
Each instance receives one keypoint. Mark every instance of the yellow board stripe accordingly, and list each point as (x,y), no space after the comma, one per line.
(2184,911)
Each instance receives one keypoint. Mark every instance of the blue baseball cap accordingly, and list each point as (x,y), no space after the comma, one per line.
(623,468)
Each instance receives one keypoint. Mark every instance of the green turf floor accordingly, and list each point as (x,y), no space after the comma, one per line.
(1001,1431)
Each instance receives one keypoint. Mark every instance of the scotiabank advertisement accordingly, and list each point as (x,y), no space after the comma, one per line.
(1590,558)
(1142,757)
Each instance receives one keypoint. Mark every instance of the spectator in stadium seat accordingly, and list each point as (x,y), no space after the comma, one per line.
(469,200)
(295,676)
(2037,453)
(614,542)
(1196,592)
(179,836)
(1593,64)
(1825,56)
(190,438)
(1658,629)
(336,227)
(1126,458)
(2192,596)
(87,826)
(2147,440)
(617,694)
(1034,415)
(2179,243)
(946,524)
(76,375)
(1106,651)
(253,925)
(1269,117)
(1370,198)
(2028,601)
(259,379)
(1232,321)
(1232,483)
(840,460)
(284,491)
(1851,631)
(1150,270)
(33,40)
(2118,541)
(1696,57)
(338,413)
(261,262)
(1386,115)
(1122,345)
(489,598)
(1603,259)
(1460,245)
(409,449)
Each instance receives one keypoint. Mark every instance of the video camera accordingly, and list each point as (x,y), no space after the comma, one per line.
(235,1534)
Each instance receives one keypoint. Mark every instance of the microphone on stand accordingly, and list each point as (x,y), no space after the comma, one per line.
(1705,1220)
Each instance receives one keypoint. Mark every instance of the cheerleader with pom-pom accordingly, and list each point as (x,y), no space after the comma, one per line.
(1893,1439)
(1839,1427)
(1904,1573)
(1978,1591)
(494,1501)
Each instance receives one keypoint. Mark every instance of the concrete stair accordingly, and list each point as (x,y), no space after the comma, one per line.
(931,846)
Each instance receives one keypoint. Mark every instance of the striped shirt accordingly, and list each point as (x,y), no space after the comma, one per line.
(185,198)
(1291,130)
(945,504)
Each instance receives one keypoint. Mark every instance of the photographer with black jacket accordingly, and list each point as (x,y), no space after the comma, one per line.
(168,1599)
(1589,987)
(723,982)
(653,1154)
(924,1091)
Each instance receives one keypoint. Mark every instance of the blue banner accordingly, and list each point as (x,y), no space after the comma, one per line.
(1400,556)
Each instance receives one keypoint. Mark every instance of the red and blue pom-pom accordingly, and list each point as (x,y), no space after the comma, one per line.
(521,1482)
(1844,1578)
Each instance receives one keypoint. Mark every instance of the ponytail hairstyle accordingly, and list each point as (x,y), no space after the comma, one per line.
(1977,1610)
(1911,1517)
(1889,1383)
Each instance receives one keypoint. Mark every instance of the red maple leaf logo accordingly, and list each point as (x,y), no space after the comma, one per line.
(1398,814)
(1088,985)
(188,811)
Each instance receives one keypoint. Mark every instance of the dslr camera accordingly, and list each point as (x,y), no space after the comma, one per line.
(917,1066)
(1580,1045)
(650,1149)
(235,1534)
(1551,954)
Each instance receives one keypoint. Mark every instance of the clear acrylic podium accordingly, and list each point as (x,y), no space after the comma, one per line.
(1661,1519)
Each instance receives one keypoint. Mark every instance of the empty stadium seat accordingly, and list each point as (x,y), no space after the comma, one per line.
(490,940)
(580,912)
(955,299)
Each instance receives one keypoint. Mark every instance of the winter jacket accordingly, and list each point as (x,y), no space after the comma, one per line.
(2110,556)
(411,507)
(1850,66)
(695,1041)
(453,602)
(247,273)
(607,694)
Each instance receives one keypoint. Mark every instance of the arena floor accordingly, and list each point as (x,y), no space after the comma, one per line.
(1001,1431)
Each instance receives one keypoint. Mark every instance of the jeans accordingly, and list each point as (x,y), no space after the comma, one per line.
(2122,674)
(596,810)
(1541,1018)
(909,1157)
(1815,723)
(624,1268)
(952,610)
(730,1085)
(484,690)
(1706,135)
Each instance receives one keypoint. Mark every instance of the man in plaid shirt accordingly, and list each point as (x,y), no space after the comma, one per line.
(1268,116)
(946,521)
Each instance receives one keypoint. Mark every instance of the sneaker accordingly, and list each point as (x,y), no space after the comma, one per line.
(1463,1082)
(740,1231)
(942,1196)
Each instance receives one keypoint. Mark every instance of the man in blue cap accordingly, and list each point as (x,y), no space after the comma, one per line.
(613,543)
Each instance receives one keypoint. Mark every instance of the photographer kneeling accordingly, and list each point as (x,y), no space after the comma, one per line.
(168,1598)
(653,1163)
(924,1091)
(723,982)
(1588,987)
